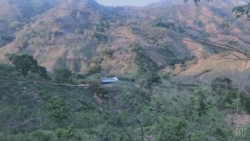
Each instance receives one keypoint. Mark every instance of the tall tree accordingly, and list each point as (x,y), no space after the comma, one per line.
(23,63)
(26,64)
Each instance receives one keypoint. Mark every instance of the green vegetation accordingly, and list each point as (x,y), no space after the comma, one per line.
(147,103)
(223,86)
(161,23)
(6,70)
(142,60)
(170,56)
(100,37)
(33,110)
(25,64)
(62,75)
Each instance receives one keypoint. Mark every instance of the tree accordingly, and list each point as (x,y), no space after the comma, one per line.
(41,71)
(66,134)
(242,11)
(62,75)
(26,64)
(6,70)
(57,109)
(23,63)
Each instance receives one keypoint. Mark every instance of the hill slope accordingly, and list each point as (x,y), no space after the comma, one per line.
(85,36)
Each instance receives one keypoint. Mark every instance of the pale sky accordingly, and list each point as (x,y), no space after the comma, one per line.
(126,2)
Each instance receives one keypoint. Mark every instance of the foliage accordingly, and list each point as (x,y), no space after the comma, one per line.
(65,134)
(108,52)
(161,23)
(57,109)
(221,83)
(118,112)
(62,75)
(143,109)
(26,64)
(222,86)
(242,10)
(100,37)
(93,70)
(189,117)
(41,135)
(245,100)
(6,70)
(227,94)
(169,55)
(143,61)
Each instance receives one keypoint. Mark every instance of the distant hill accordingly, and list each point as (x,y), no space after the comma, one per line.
(85,36)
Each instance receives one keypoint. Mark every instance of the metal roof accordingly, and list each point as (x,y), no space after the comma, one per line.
(108,80)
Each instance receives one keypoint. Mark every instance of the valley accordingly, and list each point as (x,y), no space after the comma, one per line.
(182,69)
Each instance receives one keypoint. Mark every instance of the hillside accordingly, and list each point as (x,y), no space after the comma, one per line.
(85,36)
(182,69)
(148,108)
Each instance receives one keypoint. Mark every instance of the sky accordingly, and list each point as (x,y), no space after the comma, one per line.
(126,2)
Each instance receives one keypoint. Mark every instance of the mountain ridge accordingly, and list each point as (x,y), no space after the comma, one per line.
(82,34)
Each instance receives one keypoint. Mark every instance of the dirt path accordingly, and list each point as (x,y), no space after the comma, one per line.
(7,79)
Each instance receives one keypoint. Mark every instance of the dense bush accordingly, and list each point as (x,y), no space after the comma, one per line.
(62,75)
(6,70)
(227,94)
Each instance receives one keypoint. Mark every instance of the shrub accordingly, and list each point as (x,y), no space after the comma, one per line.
(6,70)
(62,75)
(57,109)
(221,83)
(245,99)
(40,135)
(100,37)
